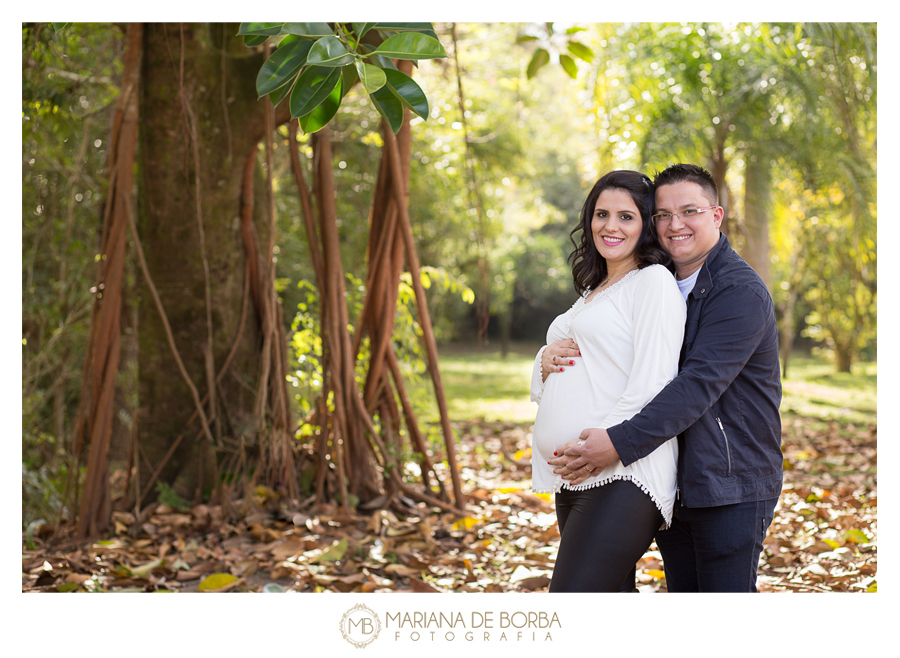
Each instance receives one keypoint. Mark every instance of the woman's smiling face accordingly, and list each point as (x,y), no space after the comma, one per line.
(616,227)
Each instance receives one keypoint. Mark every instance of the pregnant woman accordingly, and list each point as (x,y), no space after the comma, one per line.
(605,358)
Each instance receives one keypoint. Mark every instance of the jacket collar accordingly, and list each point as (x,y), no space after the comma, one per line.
(704,281)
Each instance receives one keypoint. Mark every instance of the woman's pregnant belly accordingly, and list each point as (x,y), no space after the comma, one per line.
(569,405)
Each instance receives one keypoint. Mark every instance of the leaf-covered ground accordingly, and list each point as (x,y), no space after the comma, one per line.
(823,538)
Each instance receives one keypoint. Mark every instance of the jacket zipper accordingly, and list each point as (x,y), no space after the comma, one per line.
(727,450)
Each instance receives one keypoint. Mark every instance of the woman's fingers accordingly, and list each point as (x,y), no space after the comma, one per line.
(560,355)
(562,359)
(558,362)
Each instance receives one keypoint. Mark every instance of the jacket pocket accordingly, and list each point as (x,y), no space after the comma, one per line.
(727,449)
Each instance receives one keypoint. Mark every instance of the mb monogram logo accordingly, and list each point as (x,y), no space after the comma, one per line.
(360,626)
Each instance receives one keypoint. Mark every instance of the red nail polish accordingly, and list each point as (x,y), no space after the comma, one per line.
(562,369)
(554,453)
(571,363)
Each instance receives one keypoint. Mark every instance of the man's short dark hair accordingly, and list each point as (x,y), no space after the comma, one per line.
(688,173)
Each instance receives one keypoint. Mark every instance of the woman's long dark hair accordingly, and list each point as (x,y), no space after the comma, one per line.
(588,266)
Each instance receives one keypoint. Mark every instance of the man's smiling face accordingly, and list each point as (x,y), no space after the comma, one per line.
(688,241)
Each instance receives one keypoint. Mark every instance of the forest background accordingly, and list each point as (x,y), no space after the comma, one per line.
(521,120)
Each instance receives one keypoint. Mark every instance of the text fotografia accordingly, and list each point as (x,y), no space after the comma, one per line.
(479,626)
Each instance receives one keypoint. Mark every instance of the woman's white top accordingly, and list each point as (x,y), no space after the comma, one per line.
(630,338)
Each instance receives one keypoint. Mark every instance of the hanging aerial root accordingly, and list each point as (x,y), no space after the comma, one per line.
(422,304)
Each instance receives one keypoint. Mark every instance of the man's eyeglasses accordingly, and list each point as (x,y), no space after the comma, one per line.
(687,213)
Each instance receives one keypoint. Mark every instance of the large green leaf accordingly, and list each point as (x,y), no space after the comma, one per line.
(279,94)
(581,51)
(368,52)
(390,107)
(362,28)
(308,30)
(312,87)
(323,112)
(540,58)
(569,65)
(372,77)
(253,40)
(384,62)
(408,91)
(260,29)
(349,78)
(330,52)
(282,66)
(58,26)
(411,45)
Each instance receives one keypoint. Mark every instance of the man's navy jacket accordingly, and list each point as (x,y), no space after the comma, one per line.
(723,405)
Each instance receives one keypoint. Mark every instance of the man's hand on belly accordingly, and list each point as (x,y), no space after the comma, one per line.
(578,460)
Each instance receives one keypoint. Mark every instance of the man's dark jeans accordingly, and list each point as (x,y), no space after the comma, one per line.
(715,549)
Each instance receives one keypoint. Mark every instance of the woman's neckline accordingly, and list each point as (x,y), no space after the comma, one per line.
(599,292)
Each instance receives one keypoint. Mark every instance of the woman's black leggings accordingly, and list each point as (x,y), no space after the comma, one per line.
(605,530)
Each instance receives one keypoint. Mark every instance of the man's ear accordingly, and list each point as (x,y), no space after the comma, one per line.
(718,216)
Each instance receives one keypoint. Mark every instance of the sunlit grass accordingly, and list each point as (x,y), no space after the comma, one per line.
(815,389)
(481,384)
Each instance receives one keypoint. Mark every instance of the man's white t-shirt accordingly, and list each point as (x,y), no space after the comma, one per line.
(686,285)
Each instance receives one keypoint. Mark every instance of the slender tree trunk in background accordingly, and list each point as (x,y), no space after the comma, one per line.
(196,61)
(505,319)
(483,304)
(402,193)
(718,166)
(757,205)
(788,329)
(844,352)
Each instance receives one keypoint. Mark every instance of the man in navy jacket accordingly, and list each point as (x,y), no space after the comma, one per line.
(723,405)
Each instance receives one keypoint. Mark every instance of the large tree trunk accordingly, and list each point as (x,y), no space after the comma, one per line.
(198,92)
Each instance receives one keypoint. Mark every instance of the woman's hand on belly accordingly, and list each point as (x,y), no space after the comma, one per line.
(557,355)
